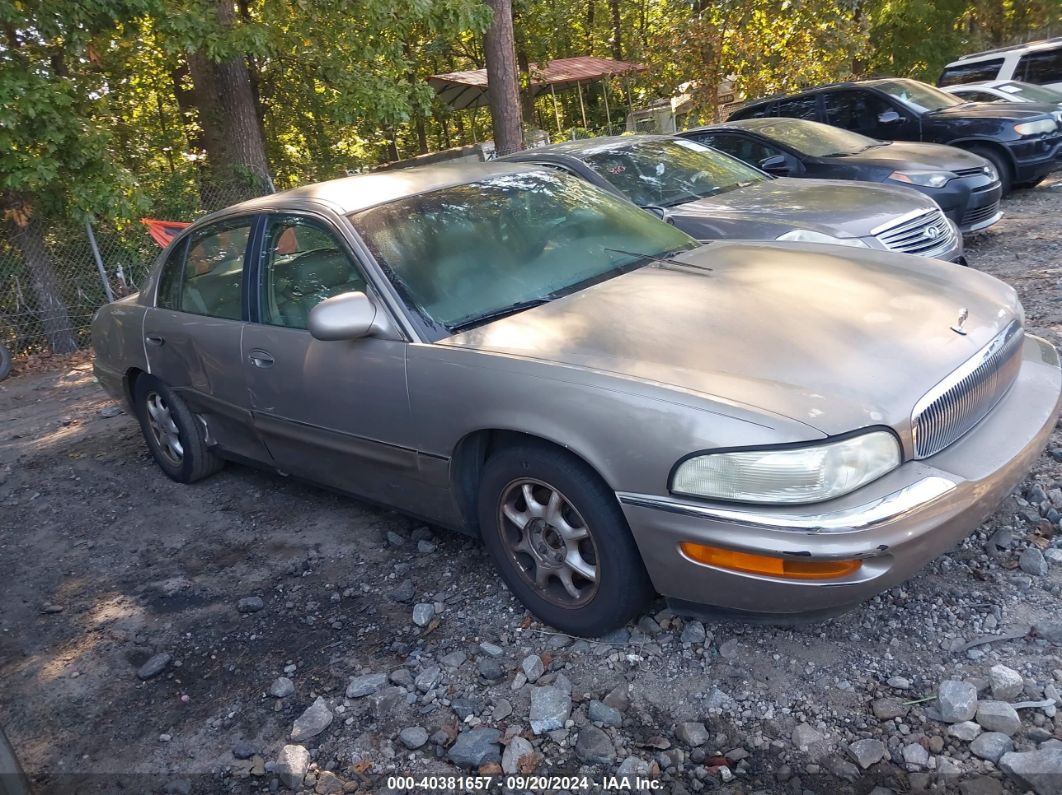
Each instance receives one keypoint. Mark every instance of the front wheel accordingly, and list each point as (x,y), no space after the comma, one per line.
(560,541)
(174,436)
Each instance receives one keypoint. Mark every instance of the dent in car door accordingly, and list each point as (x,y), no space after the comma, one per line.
(334,412)
(192,335)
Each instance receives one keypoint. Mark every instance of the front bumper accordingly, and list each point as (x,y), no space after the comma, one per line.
(970,202)
(895,525)
(1036,157)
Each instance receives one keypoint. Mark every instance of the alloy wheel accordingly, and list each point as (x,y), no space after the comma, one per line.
(549,542)
(163,429)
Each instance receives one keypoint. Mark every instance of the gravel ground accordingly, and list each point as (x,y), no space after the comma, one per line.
(250,633)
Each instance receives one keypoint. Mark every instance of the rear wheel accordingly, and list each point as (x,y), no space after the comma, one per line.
(174,436)
(999,162)
(5,361)
(560,541)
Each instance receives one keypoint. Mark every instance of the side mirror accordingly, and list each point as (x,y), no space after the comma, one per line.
(346,316)
(659,212)
(776,164)
(889,117)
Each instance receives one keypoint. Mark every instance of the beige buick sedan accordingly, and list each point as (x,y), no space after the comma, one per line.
(615,409)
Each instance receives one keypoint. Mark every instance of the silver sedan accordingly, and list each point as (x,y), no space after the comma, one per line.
(614,408)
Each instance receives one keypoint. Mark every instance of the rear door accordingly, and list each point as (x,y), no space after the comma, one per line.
(333,412)
(1043,67)
(192,334)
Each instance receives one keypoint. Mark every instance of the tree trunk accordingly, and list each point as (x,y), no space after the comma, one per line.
(590,7)
(617,30)
(27,232)
(232,135)
(502,81)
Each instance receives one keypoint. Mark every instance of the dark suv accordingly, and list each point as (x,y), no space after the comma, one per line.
(1023,142)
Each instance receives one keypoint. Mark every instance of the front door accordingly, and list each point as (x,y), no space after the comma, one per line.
(334,412)
(870,114)
(192,334)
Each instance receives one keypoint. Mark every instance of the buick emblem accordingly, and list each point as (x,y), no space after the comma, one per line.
(958,327)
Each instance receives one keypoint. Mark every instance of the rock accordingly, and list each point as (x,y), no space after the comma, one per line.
(282,687)
(998,716)
(414,737)
(692,733)
(899,682)
(491,649)
(867,752)
(1006,683)
(250,604)
(423,613)
(532,667)
(730,650)
(804,737)
(550,708)
(618,698)
(490,669)
(312,722)
(463,707)
(242,749)
(980,785)
(957,701)
(365,684)
(1041,770)
(154,666)
(630,771)
(888,708)
(1053,556)
(476,747)
(291,766)
(842,768)
(385,701)
(107,412)
(602,713)
(594,746)
(518,757)
(428,679)
(454,659)
(394,539)
(915,755)
(693,632)
(965,731)
(328,783)
(1051,631)
(991,746)
(502,709)
(402,677)
(1032,562)
(403,592)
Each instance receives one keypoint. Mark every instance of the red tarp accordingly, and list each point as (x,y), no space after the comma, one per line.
(162,232)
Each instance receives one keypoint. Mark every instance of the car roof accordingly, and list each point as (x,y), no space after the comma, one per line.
(752,125)
(583,147)
(351,194)
(876,81)
(1029,46)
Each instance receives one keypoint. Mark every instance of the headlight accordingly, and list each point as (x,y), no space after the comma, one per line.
(1036,127)
(929,179)
(789,475)
(807,236)
(991,172)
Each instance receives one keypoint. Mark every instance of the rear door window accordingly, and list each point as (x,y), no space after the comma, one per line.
(745,149)
(855,110)
(970,72)
(977,96)
(212,278)
(806,107)
(758,112)
(1041,67)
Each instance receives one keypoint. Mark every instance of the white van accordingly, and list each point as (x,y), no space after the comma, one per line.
(1037,62)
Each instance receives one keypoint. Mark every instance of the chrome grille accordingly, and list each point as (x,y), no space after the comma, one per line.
(926,233)
(962,400)
(970,172)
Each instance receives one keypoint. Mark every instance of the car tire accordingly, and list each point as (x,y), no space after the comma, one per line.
(544,549)
(999,163)
(1032,183)
(176,439)
(5,362)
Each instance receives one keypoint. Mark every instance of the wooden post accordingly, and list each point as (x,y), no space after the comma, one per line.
(582,107)
(556,110)
(608,115)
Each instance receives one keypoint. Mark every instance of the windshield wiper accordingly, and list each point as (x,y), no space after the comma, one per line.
(498,314)
(658,258)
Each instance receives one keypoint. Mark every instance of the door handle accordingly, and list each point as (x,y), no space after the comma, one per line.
(155,339)
(260,358)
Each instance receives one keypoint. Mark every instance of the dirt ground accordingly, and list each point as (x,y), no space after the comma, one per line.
(105,563)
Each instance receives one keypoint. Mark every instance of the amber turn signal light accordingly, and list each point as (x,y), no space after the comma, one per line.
(769,566)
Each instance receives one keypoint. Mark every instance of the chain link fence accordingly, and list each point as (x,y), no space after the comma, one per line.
(54,277)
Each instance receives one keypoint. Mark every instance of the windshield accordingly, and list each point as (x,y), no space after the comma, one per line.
(663,172)
(462,254)
(810,137)
(919,96)
(1031,93)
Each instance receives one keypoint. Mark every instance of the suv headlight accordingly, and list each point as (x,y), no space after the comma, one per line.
(1036,127)
(808,236)
(928,179)
(789,475)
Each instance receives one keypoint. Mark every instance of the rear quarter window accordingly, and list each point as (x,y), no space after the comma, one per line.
(1041,67)
(970,72)
(755,111)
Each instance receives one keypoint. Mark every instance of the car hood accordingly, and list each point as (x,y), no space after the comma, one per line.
(1016,111)
(835,339)
(912,156)
(842,208)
